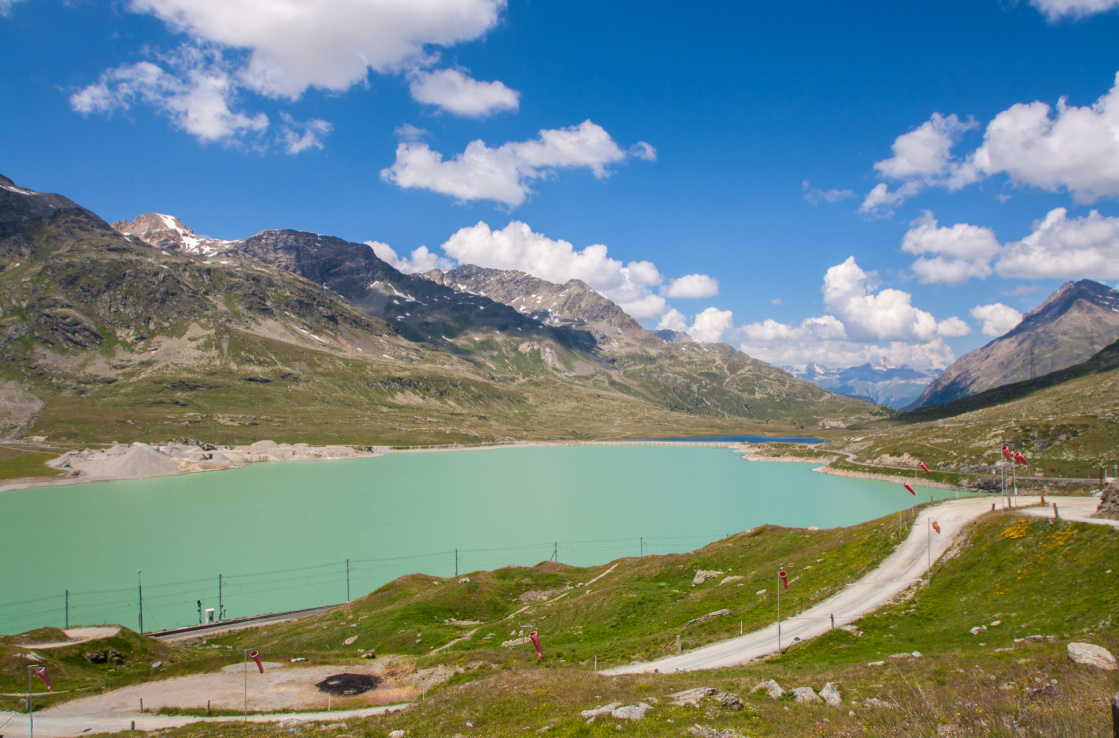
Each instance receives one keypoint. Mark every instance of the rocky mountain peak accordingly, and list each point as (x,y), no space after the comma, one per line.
(1069,327)
(167,233)
(882,365)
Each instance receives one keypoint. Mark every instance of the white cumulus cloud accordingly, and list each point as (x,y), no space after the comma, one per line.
(6,6)
(460,94)
(1065,248)
(329,44)
(951,254)
(824,340)
(996,319)
(517,247)
(673,320)
(711,325)
(1077,149)
(887,315)
(691,286)
(420,260)
(280,50)
(503,174)
(1055,10)
(198,97)
(1069,148)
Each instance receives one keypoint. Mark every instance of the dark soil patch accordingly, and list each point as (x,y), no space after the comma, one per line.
(347,685)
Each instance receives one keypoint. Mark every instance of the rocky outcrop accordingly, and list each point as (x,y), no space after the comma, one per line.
(1092,655)
(1109,502)
(709,616)
(805,695)
(830,694)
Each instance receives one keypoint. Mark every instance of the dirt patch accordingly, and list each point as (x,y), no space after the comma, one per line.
(348,685)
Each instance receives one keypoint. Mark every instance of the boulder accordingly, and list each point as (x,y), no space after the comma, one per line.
(691,697)
(631,712)
(831,695)
(772,688)
(1086,653)
(709,616)
(702,576)
(729,700)
(396,734)
(805,695)
(700,731)
(604,710)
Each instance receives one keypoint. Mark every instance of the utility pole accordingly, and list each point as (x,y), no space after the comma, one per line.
(555,552)
(347,580)
(456,562)
(642,546)
(67,608)
(221,608)
(140,591)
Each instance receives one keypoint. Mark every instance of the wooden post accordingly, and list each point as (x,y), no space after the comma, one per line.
(1056,515)
(679,646)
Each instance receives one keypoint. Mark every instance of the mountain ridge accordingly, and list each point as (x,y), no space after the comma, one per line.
(1068,328)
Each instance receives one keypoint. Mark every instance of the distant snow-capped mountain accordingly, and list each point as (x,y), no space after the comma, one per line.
(881,381)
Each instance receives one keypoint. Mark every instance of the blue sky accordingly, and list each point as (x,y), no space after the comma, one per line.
(828,182)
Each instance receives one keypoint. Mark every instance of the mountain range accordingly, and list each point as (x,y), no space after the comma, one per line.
(880,382)
(147,330)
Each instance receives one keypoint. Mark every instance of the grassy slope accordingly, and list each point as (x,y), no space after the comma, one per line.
(1069,429)
(1033,575)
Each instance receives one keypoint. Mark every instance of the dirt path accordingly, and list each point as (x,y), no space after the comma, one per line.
(76,635)
(904,567)
(61,726)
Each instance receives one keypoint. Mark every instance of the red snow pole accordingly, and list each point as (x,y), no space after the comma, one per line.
(41,672)
(911,490)
(922,465)
(784,578)
(536,642)
(256,657)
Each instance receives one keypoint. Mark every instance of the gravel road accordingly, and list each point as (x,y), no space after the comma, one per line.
(904,567)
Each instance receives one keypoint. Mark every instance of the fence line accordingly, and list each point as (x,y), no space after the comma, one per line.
(121,604)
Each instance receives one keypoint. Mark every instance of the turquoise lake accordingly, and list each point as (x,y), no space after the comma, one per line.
(279,533)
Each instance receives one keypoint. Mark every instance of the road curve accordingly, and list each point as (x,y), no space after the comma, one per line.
(906,565)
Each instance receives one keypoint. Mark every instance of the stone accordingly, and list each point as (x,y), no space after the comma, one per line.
(772,688)
(900,656)
(700,731)
(691,697)
(916,654)
(1086,653)
(350,641)
(631,712)
(978,629)
(397,734)
(709,616)
(702,576)
(157,664)
(830,694)
(729,700)
(875,702)
(805,695)
(604,710)
(1109,502)
(876,663)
